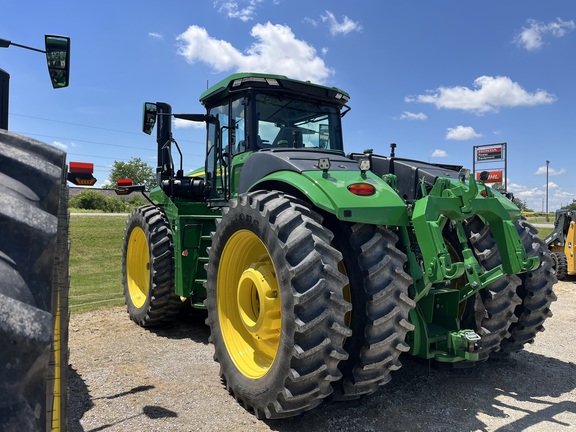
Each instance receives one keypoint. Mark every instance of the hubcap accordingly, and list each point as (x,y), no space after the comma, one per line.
(138,267)
(249,306)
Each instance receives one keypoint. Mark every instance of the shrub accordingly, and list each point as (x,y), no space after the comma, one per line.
(116,205)
(93,200)
(89,200)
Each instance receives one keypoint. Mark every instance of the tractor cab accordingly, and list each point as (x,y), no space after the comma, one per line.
(246,114)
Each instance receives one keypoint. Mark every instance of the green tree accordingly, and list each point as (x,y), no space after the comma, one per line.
(521,205)
(136,169)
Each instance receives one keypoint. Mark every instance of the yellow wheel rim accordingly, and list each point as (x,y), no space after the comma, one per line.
(248,301)
(138,267)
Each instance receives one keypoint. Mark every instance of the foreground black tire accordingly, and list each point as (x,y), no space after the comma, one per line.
(34,285)
(275,304)
(491,311)
(535,291)
(378,290)
(148,268)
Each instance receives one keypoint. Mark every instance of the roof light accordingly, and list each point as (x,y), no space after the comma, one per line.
(364,164)
(362,189)
(324,164)
(464,175)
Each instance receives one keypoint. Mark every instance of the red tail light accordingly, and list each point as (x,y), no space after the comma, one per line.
(81,167)
(124,182)
(362,189)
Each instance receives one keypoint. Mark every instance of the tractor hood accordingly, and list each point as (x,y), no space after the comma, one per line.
(265,162)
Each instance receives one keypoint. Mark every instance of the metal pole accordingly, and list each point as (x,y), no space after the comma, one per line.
(4,97)
(547,217)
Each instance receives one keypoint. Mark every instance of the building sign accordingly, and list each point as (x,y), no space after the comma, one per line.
(493,176)
(488,154)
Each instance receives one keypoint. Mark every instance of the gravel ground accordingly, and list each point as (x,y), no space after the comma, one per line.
(125,378)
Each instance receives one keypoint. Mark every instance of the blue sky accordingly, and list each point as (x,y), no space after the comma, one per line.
(435,77)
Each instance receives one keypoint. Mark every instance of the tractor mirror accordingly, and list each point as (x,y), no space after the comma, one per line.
(149,117)
(58,58)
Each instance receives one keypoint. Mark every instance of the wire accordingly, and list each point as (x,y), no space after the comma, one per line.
(74,124)
(88,126)
(99,143)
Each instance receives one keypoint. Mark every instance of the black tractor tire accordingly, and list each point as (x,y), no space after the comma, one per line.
(275,304)
(535,291)
(560,265)
(490,312)
(148,268)
(378,290)
(34,285)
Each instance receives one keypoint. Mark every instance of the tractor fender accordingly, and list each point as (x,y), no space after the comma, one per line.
(329,192)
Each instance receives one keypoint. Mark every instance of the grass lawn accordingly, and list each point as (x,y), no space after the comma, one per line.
(95,262)
(543,232)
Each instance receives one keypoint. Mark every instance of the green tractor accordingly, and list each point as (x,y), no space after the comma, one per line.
(318,268)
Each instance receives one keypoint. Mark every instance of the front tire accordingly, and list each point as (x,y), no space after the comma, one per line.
(148,268)
(275,304)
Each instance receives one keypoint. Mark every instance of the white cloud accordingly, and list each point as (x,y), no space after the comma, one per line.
(552,185)
(311,21)
(461,133)
(406,115)
(531,37)
(60,145)
(104,184)
(489,94)
(439,153)
(530,193)
(276,50)
(344,27)
(232,9)
(186,124)
(156,35)
(515,187)
(551,171)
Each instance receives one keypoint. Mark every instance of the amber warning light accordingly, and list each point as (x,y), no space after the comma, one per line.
(80,173)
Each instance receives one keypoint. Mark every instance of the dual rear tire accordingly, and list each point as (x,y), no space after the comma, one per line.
(278,299)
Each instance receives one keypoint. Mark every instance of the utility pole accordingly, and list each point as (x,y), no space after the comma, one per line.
(547,217)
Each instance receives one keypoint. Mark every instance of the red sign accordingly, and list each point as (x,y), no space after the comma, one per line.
(488,154)
(493,176)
